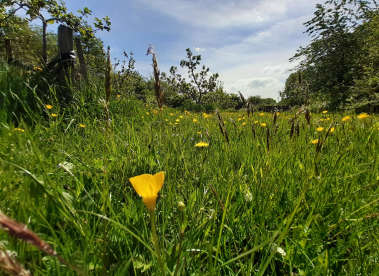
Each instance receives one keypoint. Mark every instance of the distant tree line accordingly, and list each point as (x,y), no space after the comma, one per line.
(339,67)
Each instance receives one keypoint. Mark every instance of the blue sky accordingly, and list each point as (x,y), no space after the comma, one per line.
(248,42)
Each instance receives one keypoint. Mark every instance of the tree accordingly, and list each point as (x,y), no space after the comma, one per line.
(27,41)
(57,12)
(258,101)
(296,90)
(199,85)
(126,79)
(330,59)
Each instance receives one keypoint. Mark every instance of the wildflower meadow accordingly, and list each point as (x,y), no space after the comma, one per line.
(159,191)
(107,170)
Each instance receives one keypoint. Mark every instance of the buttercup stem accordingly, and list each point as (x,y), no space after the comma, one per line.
(155,238)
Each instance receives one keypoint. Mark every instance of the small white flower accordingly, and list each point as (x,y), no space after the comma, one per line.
(248,197)
(211,212)
(67,165)
(281,251)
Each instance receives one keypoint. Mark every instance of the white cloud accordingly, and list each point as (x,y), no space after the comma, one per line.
(267,87)
(198,49)
(221,14)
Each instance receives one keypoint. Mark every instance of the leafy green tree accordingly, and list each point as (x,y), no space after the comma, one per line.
(223,100)
(126,79)
(296,90)
(57,13)
(365,92)
(330,59)
(27,41)
(259,101)
(199,85)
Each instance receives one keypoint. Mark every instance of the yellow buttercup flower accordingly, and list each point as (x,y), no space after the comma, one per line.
(261,114)
(314,142)
(362,116)
(320,129)
(346,118)
(181,117)
(198,132)
(324,112)
(54,115)
(332,129)
(194,120)
(49,106)
(256,122)
(118,96)
(201,145)
(148,187)
(81,125)
(263,124)
(244,123)
(19,129)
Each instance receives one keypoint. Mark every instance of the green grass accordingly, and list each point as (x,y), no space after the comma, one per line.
(310,214)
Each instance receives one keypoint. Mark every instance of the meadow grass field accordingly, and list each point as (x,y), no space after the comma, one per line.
(292,193)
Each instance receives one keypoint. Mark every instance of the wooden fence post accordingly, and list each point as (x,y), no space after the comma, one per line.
(79,51)
(8,50)
(66,67)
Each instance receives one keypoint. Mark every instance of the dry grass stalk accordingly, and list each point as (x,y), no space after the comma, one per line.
(245,103)
(108,77)
(297,129)
(292,129)
(108,87)
(206,131)
(322,143)
(11,266)
(275,118)
(276,129)
(234,123)
(268,138)
(222,126)
(301,110)
(248,107)
(216,195)
(308,116)
(22,232)
(253,129)
(157,85)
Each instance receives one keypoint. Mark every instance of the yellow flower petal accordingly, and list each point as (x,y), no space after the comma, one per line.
(362,116)
(347,118)
(201,145)
(148,186)
(150,202)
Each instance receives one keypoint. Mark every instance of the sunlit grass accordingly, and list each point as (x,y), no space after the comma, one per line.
(261,203)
